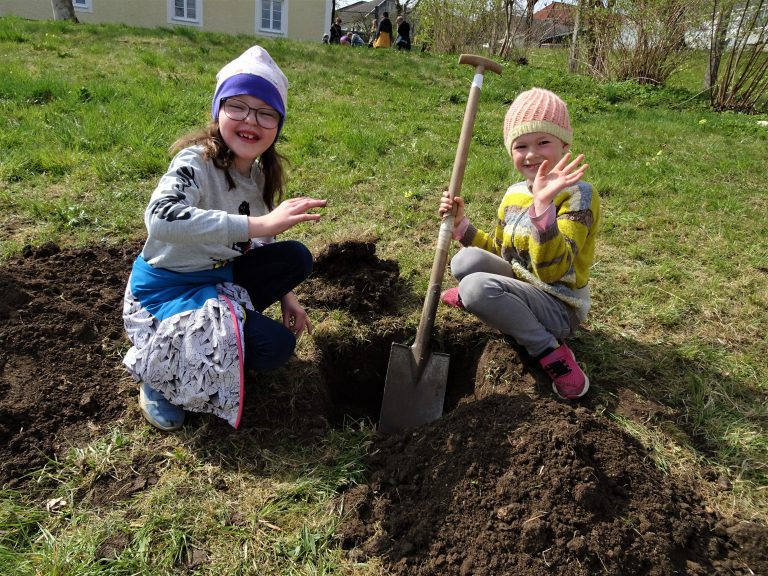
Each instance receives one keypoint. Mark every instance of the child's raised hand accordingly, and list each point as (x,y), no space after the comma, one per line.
(286,215)
(549,183)
(446,205)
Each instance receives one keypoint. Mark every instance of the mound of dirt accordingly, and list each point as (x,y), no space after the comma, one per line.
(61,377)
(513,481)
(61,322)
(512,484)
(348,275)
(509,481)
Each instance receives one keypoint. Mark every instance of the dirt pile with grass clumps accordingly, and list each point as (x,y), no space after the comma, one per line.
(509,481)
(513,481)
(348,275)
(60,324)
(517,485)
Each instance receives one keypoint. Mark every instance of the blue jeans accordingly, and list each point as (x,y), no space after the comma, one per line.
(268,273)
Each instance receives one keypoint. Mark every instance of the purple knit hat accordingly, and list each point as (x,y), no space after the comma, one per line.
(253,73)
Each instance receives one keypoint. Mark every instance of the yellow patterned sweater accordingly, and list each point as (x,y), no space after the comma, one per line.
(556,259)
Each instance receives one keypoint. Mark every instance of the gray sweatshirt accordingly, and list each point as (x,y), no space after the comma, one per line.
(194,221)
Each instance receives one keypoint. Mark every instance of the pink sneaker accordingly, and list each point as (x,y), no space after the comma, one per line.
(568,380)
(451,298)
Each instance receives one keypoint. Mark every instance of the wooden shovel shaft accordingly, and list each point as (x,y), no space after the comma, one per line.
(426,324)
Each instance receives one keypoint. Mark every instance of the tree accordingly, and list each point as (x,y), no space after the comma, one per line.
(509,18)
(573,52)
(593,36)
(63,10)
(721,16)
(515,27)
(530,7)
(453,26)
(639,40)
(739,36)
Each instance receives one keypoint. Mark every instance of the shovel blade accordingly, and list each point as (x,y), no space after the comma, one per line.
(411,400)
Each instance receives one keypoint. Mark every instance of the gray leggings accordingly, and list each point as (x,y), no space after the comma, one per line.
(518,309)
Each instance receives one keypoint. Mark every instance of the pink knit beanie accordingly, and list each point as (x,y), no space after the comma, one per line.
(537,110)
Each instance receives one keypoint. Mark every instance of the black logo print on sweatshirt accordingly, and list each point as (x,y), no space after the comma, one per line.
(170,207)
(244,210)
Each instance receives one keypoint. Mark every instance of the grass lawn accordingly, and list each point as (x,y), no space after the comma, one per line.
(680,285)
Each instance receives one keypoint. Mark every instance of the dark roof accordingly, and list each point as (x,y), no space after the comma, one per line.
(360,10)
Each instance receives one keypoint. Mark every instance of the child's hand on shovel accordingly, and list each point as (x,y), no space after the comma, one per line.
(446,205)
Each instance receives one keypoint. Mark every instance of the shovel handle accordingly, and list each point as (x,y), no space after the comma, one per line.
(420,346)
(462,151)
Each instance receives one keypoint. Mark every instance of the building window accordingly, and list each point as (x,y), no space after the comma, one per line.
(272,17)
(188,11)
(82,5)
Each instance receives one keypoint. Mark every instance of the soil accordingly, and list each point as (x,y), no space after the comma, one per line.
(509,481)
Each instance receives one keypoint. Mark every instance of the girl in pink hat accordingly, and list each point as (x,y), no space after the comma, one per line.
(211,263)
(528,278)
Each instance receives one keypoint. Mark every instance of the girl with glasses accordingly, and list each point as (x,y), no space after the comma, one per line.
(211,263)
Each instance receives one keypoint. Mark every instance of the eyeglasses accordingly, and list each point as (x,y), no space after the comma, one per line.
(239,110)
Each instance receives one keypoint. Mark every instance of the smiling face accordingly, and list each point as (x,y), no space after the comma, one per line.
(246,138)
(530,150)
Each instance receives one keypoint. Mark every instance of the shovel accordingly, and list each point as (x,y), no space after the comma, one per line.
(414,390)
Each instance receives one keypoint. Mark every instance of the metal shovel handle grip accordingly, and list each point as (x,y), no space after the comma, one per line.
(421,344)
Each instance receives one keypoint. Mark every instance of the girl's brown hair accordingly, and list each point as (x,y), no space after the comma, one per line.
(271,161)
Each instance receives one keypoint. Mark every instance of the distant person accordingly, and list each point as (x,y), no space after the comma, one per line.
(335,35)
(403,41)
(372,32)
(529,277)
(211,264)
(346,39)
(384,33)
(355,39)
